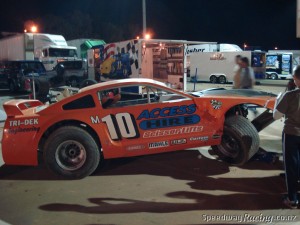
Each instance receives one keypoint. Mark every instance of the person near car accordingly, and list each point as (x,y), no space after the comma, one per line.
(237,72)
(247,79)
(288,105)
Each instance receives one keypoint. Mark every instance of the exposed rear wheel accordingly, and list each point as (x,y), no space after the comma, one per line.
(71,152)
(240,141)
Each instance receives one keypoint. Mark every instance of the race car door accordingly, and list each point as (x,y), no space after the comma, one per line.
(156,120)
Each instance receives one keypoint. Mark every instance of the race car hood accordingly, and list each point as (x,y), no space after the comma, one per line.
(233,93)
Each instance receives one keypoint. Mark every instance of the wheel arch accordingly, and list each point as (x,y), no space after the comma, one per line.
(73,122)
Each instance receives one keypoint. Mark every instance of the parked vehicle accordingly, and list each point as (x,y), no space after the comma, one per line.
(107,120)
(279,65)
(48,48)
(19,75)
(70,73)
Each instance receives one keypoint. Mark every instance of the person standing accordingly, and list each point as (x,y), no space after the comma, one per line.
(237,72)
(247,79)
(288,105)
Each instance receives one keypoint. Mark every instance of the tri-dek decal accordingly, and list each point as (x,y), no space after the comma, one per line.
(124,125)
(28,125)
(168,117)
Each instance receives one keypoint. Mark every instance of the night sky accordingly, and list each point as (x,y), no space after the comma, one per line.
(265,23)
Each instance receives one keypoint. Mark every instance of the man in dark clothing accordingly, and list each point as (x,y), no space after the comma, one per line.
(288,105)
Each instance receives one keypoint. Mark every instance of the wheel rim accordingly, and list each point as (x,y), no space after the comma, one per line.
(230,146)
(70,155)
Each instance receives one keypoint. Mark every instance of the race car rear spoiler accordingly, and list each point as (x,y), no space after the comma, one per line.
(15,107)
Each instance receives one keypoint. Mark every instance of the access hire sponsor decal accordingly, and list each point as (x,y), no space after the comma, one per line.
(168,117)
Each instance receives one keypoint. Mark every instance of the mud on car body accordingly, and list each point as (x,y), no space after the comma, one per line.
(131,117)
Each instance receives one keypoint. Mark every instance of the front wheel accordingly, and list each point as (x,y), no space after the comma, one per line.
(213,79)
(240,141)
(71,152)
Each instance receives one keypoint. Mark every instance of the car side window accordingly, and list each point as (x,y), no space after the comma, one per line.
(136,95)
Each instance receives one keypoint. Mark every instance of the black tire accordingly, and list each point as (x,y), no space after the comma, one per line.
(240,141)
(213,79)
(274,76)
(71,152)
(87,82)
(222,79)
(41,87)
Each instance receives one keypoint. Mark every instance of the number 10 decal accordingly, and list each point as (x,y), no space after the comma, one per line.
(121,125)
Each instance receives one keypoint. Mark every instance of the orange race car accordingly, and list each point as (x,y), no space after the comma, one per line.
(132,117)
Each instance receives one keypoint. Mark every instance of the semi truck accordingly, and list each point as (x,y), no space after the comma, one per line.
(158,59)
(48,48)
(279,65)
(215,63)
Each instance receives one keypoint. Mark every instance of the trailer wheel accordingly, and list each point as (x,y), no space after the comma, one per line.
(71,152)
(213,79)
(274,76)
(222,79)
(240,141)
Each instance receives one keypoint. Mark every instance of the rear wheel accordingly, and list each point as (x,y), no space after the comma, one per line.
(71,152)
(213,79)
(240,141)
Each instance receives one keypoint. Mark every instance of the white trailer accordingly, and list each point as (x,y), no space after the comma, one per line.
(212,47)
(47,48)
(218,67)
(163,60)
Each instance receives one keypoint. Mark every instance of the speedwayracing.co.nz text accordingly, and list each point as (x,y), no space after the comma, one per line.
(247,218)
